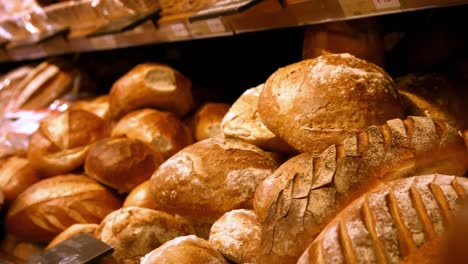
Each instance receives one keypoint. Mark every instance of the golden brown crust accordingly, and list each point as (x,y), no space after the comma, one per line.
(151,85)
(209,178)
(50,206)
(207,120)
(98,106)
(141,196)
(318,102)
(135,231)
(121,163)
(161,130)
(61,143)
(184,250)
(16,174)
(296,201)
(72,231)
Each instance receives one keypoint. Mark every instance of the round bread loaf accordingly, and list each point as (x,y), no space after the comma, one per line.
(135,231)
(151,85)
(16,174)
(61,143)
(141,196)
(121,163)
(184,250)
(207,120)
(318,102)
(98,106)
(161,130)
(434,96)
(209,178)
(49,206)
(243,122)
(237,236)
(72,231)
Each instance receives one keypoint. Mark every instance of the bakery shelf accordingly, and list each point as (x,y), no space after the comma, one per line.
(238,16)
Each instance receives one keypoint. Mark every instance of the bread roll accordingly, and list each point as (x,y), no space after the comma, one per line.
(61,143)
(98,106)
(184,250)
(134,231)
(243,122)
(207,120)
(237,236)
(141,196)
(72,231)
(121,163)
(151,85)
(315,103)
(209,178)
(300,197)
(48,207)
(390,222)
(162,130)
(432,95)
(16,174)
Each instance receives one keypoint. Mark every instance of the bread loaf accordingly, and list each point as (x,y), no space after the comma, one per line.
(16,174)
(161,130)
(207,120)
(209,178)
(121,163)
(390,222)
(432,95)
(237,236)
(184,250)
(98,106)
(151,85)
(315,103)
(141,196)
(61,143)
(72,231)
(300,197)
(134,232)
(243,122)
(48,207)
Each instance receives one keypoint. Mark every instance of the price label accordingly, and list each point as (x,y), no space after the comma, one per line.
(385,4)
(179,30)
(215,25)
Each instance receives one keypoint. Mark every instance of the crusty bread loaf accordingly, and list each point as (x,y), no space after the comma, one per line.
(390,222)
(98,106)
(207,120)
(434,96)
(121,163)
(16,174)
(48,207)
(141,196)
(135,231)
(72,231)
(184,250)
(161,130)
(237,235)
(61,143)
(296,201)
(151,85)
(315,103)
(243,122)
(209,178)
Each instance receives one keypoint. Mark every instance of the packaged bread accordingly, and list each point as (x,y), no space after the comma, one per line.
(121,163)
(243,122)
(61,143)
(318,102)
(390,222)
(206,123)
(300,197)
(237,235)
(184,250)
(98,106)
(161,130)
(209,178)
(133,232)
(71,231)
(49,206)
(151,85)
(16,174)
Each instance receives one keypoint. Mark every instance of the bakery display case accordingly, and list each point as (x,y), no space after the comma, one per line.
(233,131)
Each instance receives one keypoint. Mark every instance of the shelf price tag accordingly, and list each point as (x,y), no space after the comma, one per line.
(385,4)
(179,30)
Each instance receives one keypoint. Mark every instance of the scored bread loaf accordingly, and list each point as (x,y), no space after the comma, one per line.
(161,130)
(16,174)
(61,143)
(243,122)
(184,250)
(151,85)
(72,231)
(135,231)
(237,235)
(98,106)
(49,206)
(206,123)
(300,197)
(318,102)
(390,222)
(209,178)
